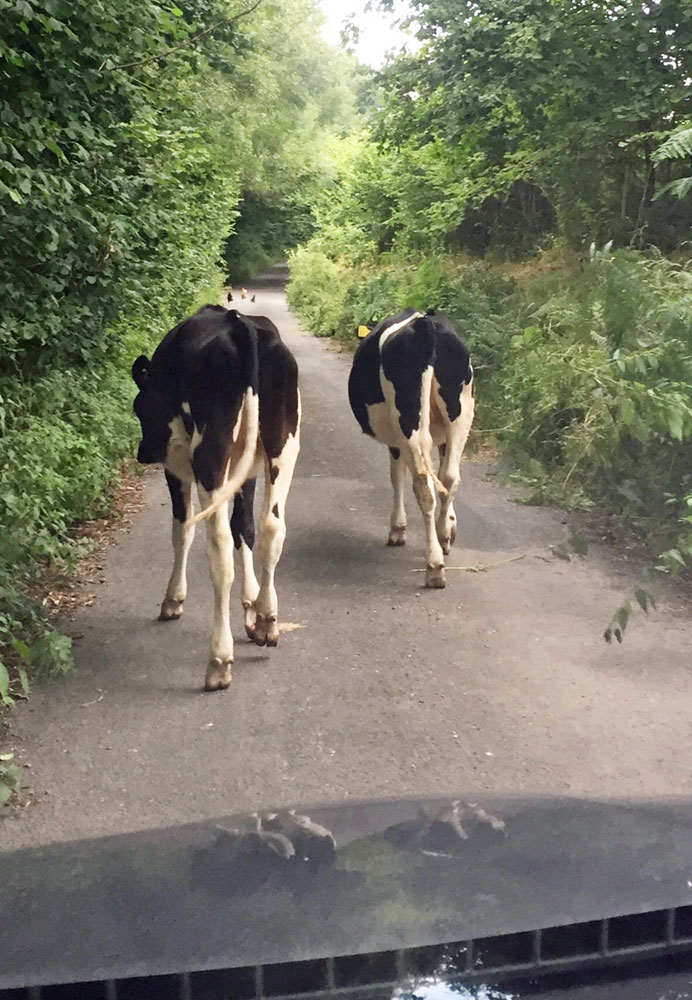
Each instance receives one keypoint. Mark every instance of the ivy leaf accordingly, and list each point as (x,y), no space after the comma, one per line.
(5,696)
(22,650)
(675,425)
(54,148)
(24,681)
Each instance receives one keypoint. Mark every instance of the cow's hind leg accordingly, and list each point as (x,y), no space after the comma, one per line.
(424,490)
(183,534)
(243,530)
(446,524)
(397,524)
(272,532)
(220,553)
(457,432)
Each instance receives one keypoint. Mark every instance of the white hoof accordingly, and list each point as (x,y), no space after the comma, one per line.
(170,609)
(266,631)
(218,674)
(250,619)
(435,577)
(397,536)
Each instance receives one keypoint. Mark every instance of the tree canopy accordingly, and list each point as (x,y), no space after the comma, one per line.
(533,117)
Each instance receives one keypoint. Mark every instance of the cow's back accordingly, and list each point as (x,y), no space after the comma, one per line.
(209,358)
(401,358)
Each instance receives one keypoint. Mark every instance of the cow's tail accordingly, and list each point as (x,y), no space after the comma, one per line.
(422,451)
(244,336)
(248,434)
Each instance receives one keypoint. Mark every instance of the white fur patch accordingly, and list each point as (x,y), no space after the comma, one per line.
(385,429)
(179,453)
(468,407)
(250,584)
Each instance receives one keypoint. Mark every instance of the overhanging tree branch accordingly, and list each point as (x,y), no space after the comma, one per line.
(193,38)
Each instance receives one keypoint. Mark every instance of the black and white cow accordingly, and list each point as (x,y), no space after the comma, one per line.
(411,387)
(218,402)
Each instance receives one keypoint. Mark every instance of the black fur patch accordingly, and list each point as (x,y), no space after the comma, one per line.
(242,518)
(175,488)
(278,388)
(364,387)
(188,422)
(451,365)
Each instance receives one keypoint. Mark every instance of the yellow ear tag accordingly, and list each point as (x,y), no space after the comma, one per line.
(363,331)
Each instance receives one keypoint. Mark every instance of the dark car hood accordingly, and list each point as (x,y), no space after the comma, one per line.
(363,877)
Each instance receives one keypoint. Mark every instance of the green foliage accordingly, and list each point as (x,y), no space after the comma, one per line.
(596,388)
(317,290)
(515,118)
(678,146)
(100,138)
(298,98)
(335,299)
(9,775)
(61,444)
(5,695)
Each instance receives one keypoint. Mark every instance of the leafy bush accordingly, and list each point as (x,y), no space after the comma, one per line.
(598,383)
(59,467)
(318,290)
(9,778)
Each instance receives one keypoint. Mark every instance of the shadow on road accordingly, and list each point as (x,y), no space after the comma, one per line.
(355,558)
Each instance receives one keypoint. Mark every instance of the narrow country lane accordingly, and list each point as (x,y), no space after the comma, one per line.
(499,684)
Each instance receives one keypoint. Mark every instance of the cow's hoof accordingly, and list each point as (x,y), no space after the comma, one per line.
(435,577)
(170,609)
(446,533)
(250,620)
(218,674)
(397,536)
(266,631)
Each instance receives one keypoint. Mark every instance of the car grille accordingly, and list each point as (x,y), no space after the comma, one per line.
(529,956)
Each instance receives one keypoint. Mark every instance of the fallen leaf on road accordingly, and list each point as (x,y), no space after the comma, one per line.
(289,626)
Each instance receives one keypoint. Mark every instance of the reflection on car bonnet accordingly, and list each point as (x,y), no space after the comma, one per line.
(433,989)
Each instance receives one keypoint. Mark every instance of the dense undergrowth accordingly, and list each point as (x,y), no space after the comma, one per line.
(583,369)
